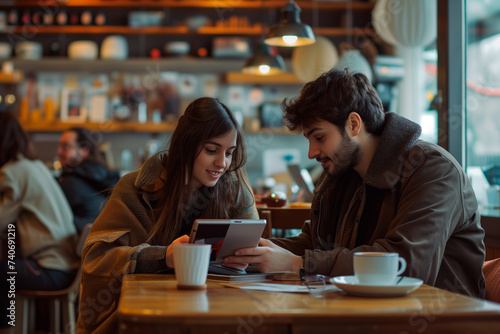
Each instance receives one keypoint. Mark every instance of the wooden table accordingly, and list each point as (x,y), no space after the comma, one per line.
(152,304)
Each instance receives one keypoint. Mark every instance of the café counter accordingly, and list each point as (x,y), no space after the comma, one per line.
(153,304)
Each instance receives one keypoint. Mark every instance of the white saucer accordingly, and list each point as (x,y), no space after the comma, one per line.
(351,286)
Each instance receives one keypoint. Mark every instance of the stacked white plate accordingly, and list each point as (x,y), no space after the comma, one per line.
(114,47)
(82,50)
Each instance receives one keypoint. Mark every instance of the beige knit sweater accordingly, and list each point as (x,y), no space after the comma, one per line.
(31,199)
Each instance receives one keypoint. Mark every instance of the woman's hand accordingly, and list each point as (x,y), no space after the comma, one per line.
(267,257)
(169,257)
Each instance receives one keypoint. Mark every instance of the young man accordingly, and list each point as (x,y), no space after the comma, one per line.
(382,190)
(85,179)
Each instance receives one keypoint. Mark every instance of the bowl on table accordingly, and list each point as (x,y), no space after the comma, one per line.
(275,199)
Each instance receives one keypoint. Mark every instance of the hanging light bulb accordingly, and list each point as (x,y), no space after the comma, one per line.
(263,62)
(264,69)
(290,31)
(290,39)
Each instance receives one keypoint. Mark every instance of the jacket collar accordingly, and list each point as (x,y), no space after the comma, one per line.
(399,135)
(151,176)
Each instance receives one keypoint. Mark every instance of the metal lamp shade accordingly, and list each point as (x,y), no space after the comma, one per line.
(264,63)
(290,31)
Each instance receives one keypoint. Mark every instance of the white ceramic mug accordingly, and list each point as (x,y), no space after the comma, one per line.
(191,265)
(378,268)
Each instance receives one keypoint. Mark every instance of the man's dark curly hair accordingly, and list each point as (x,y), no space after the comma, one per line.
(332,97)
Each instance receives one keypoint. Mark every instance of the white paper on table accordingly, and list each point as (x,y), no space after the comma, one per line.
(272,287)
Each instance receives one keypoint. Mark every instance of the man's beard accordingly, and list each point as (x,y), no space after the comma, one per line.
(345,157)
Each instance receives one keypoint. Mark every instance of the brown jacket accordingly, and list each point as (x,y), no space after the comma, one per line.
(416,200)
(116,245)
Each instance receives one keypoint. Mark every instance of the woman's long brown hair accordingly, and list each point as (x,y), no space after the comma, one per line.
(14,141)
(204,119)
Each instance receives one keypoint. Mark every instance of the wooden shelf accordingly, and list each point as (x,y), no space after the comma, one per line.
(256,30)
(214,9)
(230,67)
(225,7)
(125,30)
(145,65)
(178,30)
(13,78)
(123,127)
(303,4)
(281,79)
(108,127)
(104,30)
(341,32)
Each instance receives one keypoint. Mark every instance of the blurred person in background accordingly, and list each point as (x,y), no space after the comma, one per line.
(85,178)
(34,210)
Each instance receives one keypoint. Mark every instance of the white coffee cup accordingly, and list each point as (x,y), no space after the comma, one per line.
(191,265)
(378,268)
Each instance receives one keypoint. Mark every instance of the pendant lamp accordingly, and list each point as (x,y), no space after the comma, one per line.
(290,31)
(409,26)
(355,62)
(309,62)
(263,62)
(406,23)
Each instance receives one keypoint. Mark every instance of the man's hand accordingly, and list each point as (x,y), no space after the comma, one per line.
(268,257)
(169,257)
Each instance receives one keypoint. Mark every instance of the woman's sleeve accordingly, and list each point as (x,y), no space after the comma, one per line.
(117,241)
(10,202)
(114,247)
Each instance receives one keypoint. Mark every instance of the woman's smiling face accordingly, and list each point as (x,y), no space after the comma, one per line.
(214,159)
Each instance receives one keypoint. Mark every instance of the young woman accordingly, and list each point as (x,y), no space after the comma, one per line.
(200,176)
(37,219)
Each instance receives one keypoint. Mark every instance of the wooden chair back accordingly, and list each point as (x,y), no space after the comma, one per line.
(283,218)
(491,270)
(62,302)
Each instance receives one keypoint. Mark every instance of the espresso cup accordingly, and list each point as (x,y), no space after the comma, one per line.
(191,265)
(378,268)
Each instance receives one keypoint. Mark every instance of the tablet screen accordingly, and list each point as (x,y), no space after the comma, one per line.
(213,234)
(227,236)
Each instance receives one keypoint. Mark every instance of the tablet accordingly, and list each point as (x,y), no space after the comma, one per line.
(226,235)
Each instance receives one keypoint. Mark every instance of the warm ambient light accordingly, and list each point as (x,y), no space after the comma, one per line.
(290,27)
(264,69)
(263,62)
(290,40)
(10,99)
